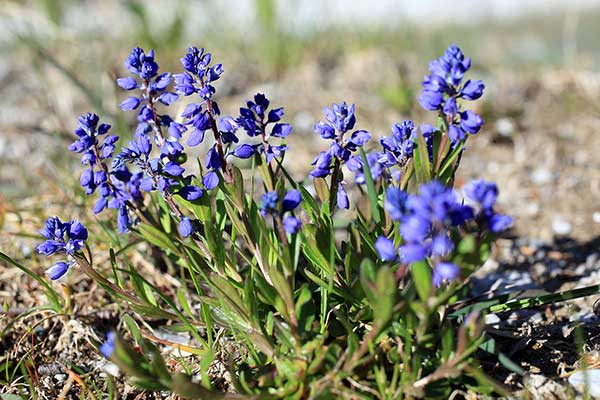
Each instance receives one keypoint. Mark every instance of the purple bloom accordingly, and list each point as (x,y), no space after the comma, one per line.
(386,249)
(291,224)
(340,118)
(443,86)
(191,193)
(291,200)
(445,272)
(185,227)
(108,347)
(484,194)
(342,198)
(58,270)
(244,151)
(270,200)
(395,202)
(62,237)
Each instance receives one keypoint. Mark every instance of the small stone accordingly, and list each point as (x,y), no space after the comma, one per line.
(561,226)
(533,209)
(596,217)
(591,376)
(541,176)
(536,318)
(505,127)
(492,319)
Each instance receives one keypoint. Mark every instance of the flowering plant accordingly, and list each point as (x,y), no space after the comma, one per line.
(297,302)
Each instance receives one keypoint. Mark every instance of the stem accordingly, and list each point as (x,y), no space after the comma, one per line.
(333,186)
(545,299)
(227,174)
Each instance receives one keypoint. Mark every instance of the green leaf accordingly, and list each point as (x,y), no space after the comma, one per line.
(372,192)
(421,274)
(156,237)
(50,293)
(385,297)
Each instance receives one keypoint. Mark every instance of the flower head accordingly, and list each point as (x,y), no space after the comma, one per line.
(444,86)
(62,237)
(339,120)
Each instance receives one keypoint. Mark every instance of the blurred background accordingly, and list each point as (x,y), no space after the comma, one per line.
(540,60)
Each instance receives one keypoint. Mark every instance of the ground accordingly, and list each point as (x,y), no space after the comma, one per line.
(539,144)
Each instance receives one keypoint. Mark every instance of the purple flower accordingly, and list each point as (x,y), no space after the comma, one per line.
(291,200)
(443,86)
(270,200)
(62,237)
(58,270)
(190,192)
(386,249)
(445,272)
(395,203)
(244,151)
(185,227)
(142,64)
(340,118)
(426,220)
(108,347)
(484,195)
(291,224)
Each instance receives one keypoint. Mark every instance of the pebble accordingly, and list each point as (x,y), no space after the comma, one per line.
(561,226)
(596,217)
(492,319)
(578,381)
(505,126)
(541,176)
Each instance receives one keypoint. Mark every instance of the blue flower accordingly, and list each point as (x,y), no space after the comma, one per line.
(445,272)
(57,270)
(269,201)
(273,204)
(291,224)
(255,119)
(108,347)
(185,227)
(386,249)
(88,131)
(339,120)
(484,194)
(153,88)
(142,64)
(425,220)
(62,237)
(443,86)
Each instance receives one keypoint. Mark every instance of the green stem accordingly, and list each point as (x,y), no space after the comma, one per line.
(545,299)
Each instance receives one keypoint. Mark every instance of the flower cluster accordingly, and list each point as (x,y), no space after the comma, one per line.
(272,205)
(340,119)
(61,238)
(255,119)
(443,87)
(484,194)
(425,223)
(153,88)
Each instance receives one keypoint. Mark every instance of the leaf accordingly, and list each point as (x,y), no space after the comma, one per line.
(133,328)
(421,274)
(156,237)
(321,189)
(305,308)
(50,293)
(424,156)
(385,296)
(372,192)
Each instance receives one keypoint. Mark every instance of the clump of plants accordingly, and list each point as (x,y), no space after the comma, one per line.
(307,302)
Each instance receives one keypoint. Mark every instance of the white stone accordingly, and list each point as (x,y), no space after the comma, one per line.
(505,126)
(596,217)
(578,381)
(541,176)
(561,226)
